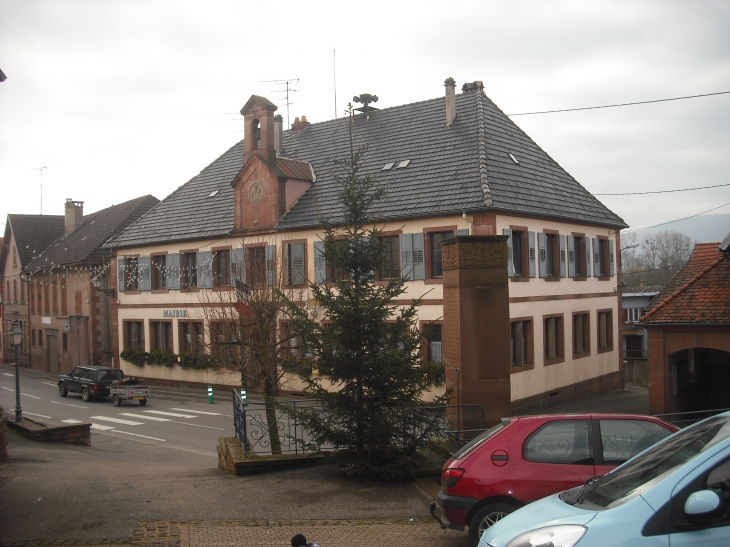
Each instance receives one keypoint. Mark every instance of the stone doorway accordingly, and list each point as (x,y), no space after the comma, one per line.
(52,349)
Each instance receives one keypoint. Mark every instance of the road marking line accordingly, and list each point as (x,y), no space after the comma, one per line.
(49,384)
(67,404)
(39,415)
(137,435)
(115,420)
(144,417)
(9,389)
(168,414)
(196,425)
(31,396)
(71,421)
(101,427)
(8,374)
(198,411)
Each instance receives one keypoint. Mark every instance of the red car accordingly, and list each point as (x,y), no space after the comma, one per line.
(527,458)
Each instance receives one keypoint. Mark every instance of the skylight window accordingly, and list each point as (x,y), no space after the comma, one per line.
(514,159)
(403,164)
(388,166)
(214,192)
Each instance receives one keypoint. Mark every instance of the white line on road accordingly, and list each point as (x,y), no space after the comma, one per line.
(39,415)
(9,389)
(196,425)
(68,404)
(137,435)
(144,417)
(49,384)
(31,396)
(71,421)
(115,420)
(101,427)
(168,414)
(198,411)
(8,374)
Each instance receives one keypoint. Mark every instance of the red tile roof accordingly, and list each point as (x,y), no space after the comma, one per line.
(699,293)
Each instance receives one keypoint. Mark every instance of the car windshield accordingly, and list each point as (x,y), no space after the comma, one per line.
(109,375)
(464,450)
(639,474)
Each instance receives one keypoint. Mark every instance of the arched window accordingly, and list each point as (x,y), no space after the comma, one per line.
(256,134)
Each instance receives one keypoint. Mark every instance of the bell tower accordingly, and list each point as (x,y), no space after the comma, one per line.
(258,133)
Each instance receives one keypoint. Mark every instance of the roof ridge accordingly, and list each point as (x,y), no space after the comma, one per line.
(683,288)
(482,151)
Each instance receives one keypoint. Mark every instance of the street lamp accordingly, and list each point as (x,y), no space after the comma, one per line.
(97,285)
(16,339)
(633,245)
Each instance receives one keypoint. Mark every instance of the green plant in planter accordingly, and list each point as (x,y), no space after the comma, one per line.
(137,357)
(162,357)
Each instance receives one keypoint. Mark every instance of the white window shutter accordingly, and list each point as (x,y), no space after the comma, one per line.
(406,255)
(510,253)
(419,258)
(120,274)
(531,256)
(542,254)
(572,256)
(589,256)
(562,255)
(271,264)
(145,282)
(204,264)
(610,258)
(596,257)
(320,267)
(173,271)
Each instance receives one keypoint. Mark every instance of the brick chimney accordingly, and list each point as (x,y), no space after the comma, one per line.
(74,215)
(278,133)
(450,85)
(300,125)
(473,87)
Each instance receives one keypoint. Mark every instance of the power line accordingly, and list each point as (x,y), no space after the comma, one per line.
(620,104)
(677,220)
(664,191)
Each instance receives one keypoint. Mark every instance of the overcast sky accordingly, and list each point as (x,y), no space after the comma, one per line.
(121,98)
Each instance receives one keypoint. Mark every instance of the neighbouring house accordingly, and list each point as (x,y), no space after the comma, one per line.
(69,317)
(688,325)
(634,301)
(26,236)
(454,165)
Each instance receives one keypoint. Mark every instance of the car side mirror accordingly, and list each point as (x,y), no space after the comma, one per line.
(703,506)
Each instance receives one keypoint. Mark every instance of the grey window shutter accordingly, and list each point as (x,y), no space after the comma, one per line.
(462,232)
(320,269)
(542,253)
(562,255)
(145,282)
(596,257)
(173,271)
(531,256)
(120,274)
(406,256)
(571,256)
(589,256)
(204,263)
(271,264)
(297,263)
(238,265)
(419,259)
(510,253)
(610,258)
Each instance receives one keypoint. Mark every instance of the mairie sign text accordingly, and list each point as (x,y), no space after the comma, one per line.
(174,313)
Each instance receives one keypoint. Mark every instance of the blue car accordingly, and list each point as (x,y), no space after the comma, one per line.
(676,493)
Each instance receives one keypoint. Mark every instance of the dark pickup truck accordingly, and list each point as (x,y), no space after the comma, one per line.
(91,382)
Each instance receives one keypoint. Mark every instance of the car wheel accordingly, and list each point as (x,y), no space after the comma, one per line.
(116,400)
(485,517)
(62,391)
(143,402)
(85,395)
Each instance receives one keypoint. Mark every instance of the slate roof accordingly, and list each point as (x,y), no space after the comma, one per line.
(464,167)
(33,233)
(698,293)
(85,243)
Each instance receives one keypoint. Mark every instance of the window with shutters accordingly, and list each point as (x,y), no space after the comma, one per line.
(191,336)
(7,292)
(31,290)
(391,266)
(22,291)
(522,353)
(131,273)
(40,298)
(340,273)
(294,259)
(434,256)
(579,251)
(40,338)
(605,330)
(159,272)
(32,337)
(581,334)
(161,335)
(64,341)
(221,268)
(54,297)
(605,257)
(189,270)
(64,297)
(15,291)
(520,253)
(133,332)
(432,347)
(553,339)
(256,265)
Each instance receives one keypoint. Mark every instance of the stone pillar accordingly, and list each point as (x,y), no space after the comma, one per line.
(476,327)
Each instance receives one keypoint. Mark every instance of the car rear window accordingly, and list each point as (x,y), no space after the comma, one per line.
(109,375)
(471,445)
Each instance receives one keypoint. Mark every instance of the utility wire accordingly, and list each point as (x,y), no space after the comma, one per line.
(620,104)
(664,191)
(677,220)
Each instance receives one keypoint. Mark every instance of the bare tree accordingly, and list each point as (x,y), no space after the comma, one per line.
(248,333)
(661,256)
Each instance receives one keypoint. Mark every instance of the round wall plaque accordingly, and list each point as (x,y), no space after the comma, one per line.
(256,193)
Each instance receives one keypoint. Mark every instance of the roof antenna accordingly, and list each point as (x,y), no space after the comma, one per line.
(41,170)
(334,76)
(290,87)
